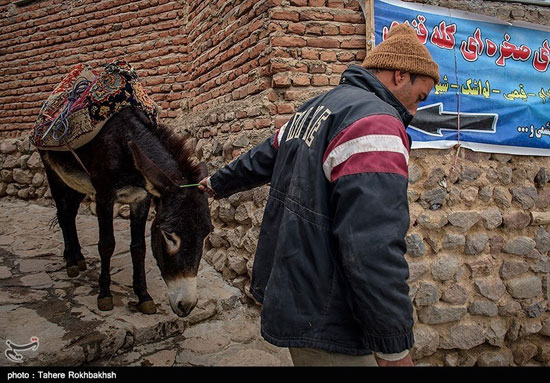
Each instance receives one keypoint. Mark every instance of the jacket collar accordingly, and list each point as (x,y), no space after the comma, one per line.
(362,78)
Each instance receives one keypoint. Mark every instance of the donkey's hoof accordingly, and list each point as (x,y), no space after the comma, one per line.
(147,307)
(105,304)
(73,271)
(82,265)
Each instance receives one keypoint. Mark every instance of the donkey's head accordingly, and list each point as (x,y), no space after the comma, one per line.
(181,223)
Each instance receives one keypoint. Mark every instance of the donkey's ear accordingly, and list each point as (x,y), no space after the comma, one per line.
(204,170)
(156,181)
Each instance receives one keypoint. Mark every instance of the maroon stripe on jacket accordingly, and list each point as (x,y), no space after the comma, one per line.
(372,135)
(376,124)
(371,162)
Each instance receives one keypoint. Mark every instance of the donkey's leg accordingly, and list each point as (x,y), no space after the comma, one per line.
(138,219)
(67,201)
(106,247)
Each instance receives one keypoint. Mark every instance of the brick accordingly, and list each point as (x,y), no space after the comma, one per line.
(330,30)
(319,80)
(351,18)
(314,29)
(328,56)
(317,68)
(353,5)
(322,42)
(285,109)
(256,25)
(289,42)
(353,43)
(337,68)
(335,4)
(297,28)
(285,15)
(248,124)
(316,16)
(150,81)
(281,80)
(301,80)
(261,123)
(280,66)
(346,57)
(347,29)
(310,54)
(257,86)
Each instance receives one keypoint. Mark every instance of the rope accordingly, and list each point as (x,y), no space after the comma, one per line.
(458,145)
(61,122)
(77,158)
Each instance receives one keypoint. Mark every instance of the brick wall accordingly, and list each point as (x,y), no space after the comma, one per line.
(41,41)
(261,61)
(229,73)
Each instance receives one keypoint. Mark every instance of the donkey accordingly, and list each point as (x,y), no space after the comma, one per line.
(133,160)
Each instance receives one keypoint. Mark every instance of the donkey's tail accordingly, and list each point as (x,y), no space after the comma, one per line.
(53,222)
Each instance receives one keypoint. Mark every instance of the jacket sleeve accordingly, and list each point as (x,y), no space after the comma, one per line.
(367,164)
(253,168)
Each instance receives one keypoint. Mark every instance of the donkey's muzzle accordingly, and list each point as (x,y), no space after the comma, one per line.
(185,309)
(182,293)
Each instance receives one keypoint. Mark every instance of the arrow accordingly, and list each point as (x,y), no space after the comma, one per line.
(432,119)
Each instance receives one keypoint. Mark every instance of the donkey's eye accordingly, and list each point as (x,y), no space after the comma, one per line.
(172,241)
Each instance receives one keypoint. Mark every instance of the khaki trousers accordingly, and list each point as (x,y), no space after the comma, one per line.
(314,357)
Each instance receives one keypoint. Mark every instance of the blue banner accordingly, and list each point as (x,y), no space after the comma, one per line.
(494,92)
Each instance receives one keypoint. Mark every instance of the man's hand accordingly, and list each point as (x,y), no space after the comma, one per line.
(204,185)
(406,361)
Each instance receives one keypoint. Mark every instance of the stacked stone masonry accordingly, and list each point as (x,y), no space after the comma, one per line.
(228,74)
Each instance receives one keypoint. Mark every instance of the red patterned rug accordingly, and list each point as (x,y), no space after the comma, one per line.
(84,100)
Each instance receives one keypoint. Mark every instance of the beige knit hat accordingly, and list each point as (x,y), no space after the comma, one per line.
(402,50)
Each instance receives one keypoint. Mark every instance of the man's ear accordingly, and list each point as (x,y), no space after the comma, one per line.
(156,181)
(399,77)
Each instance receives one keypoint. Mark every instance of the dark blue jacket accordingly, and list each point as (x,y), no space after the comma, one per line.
(329,266)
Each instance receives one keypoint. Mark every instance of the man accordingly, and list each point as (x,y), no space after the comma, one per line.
(329,267)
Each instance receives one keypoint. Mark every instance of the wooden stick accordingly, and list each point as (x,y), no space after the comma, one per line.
(369,25)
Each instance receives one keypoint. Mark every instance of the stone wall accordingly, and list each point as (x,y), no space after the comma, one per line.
(21,171)
(480,270)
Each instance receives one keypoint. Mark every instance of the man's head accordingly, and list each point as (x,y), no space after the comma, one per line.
(404,65)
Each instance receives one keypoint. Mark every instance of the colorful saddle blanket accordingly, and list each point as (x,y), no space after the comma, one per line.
(82,103)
